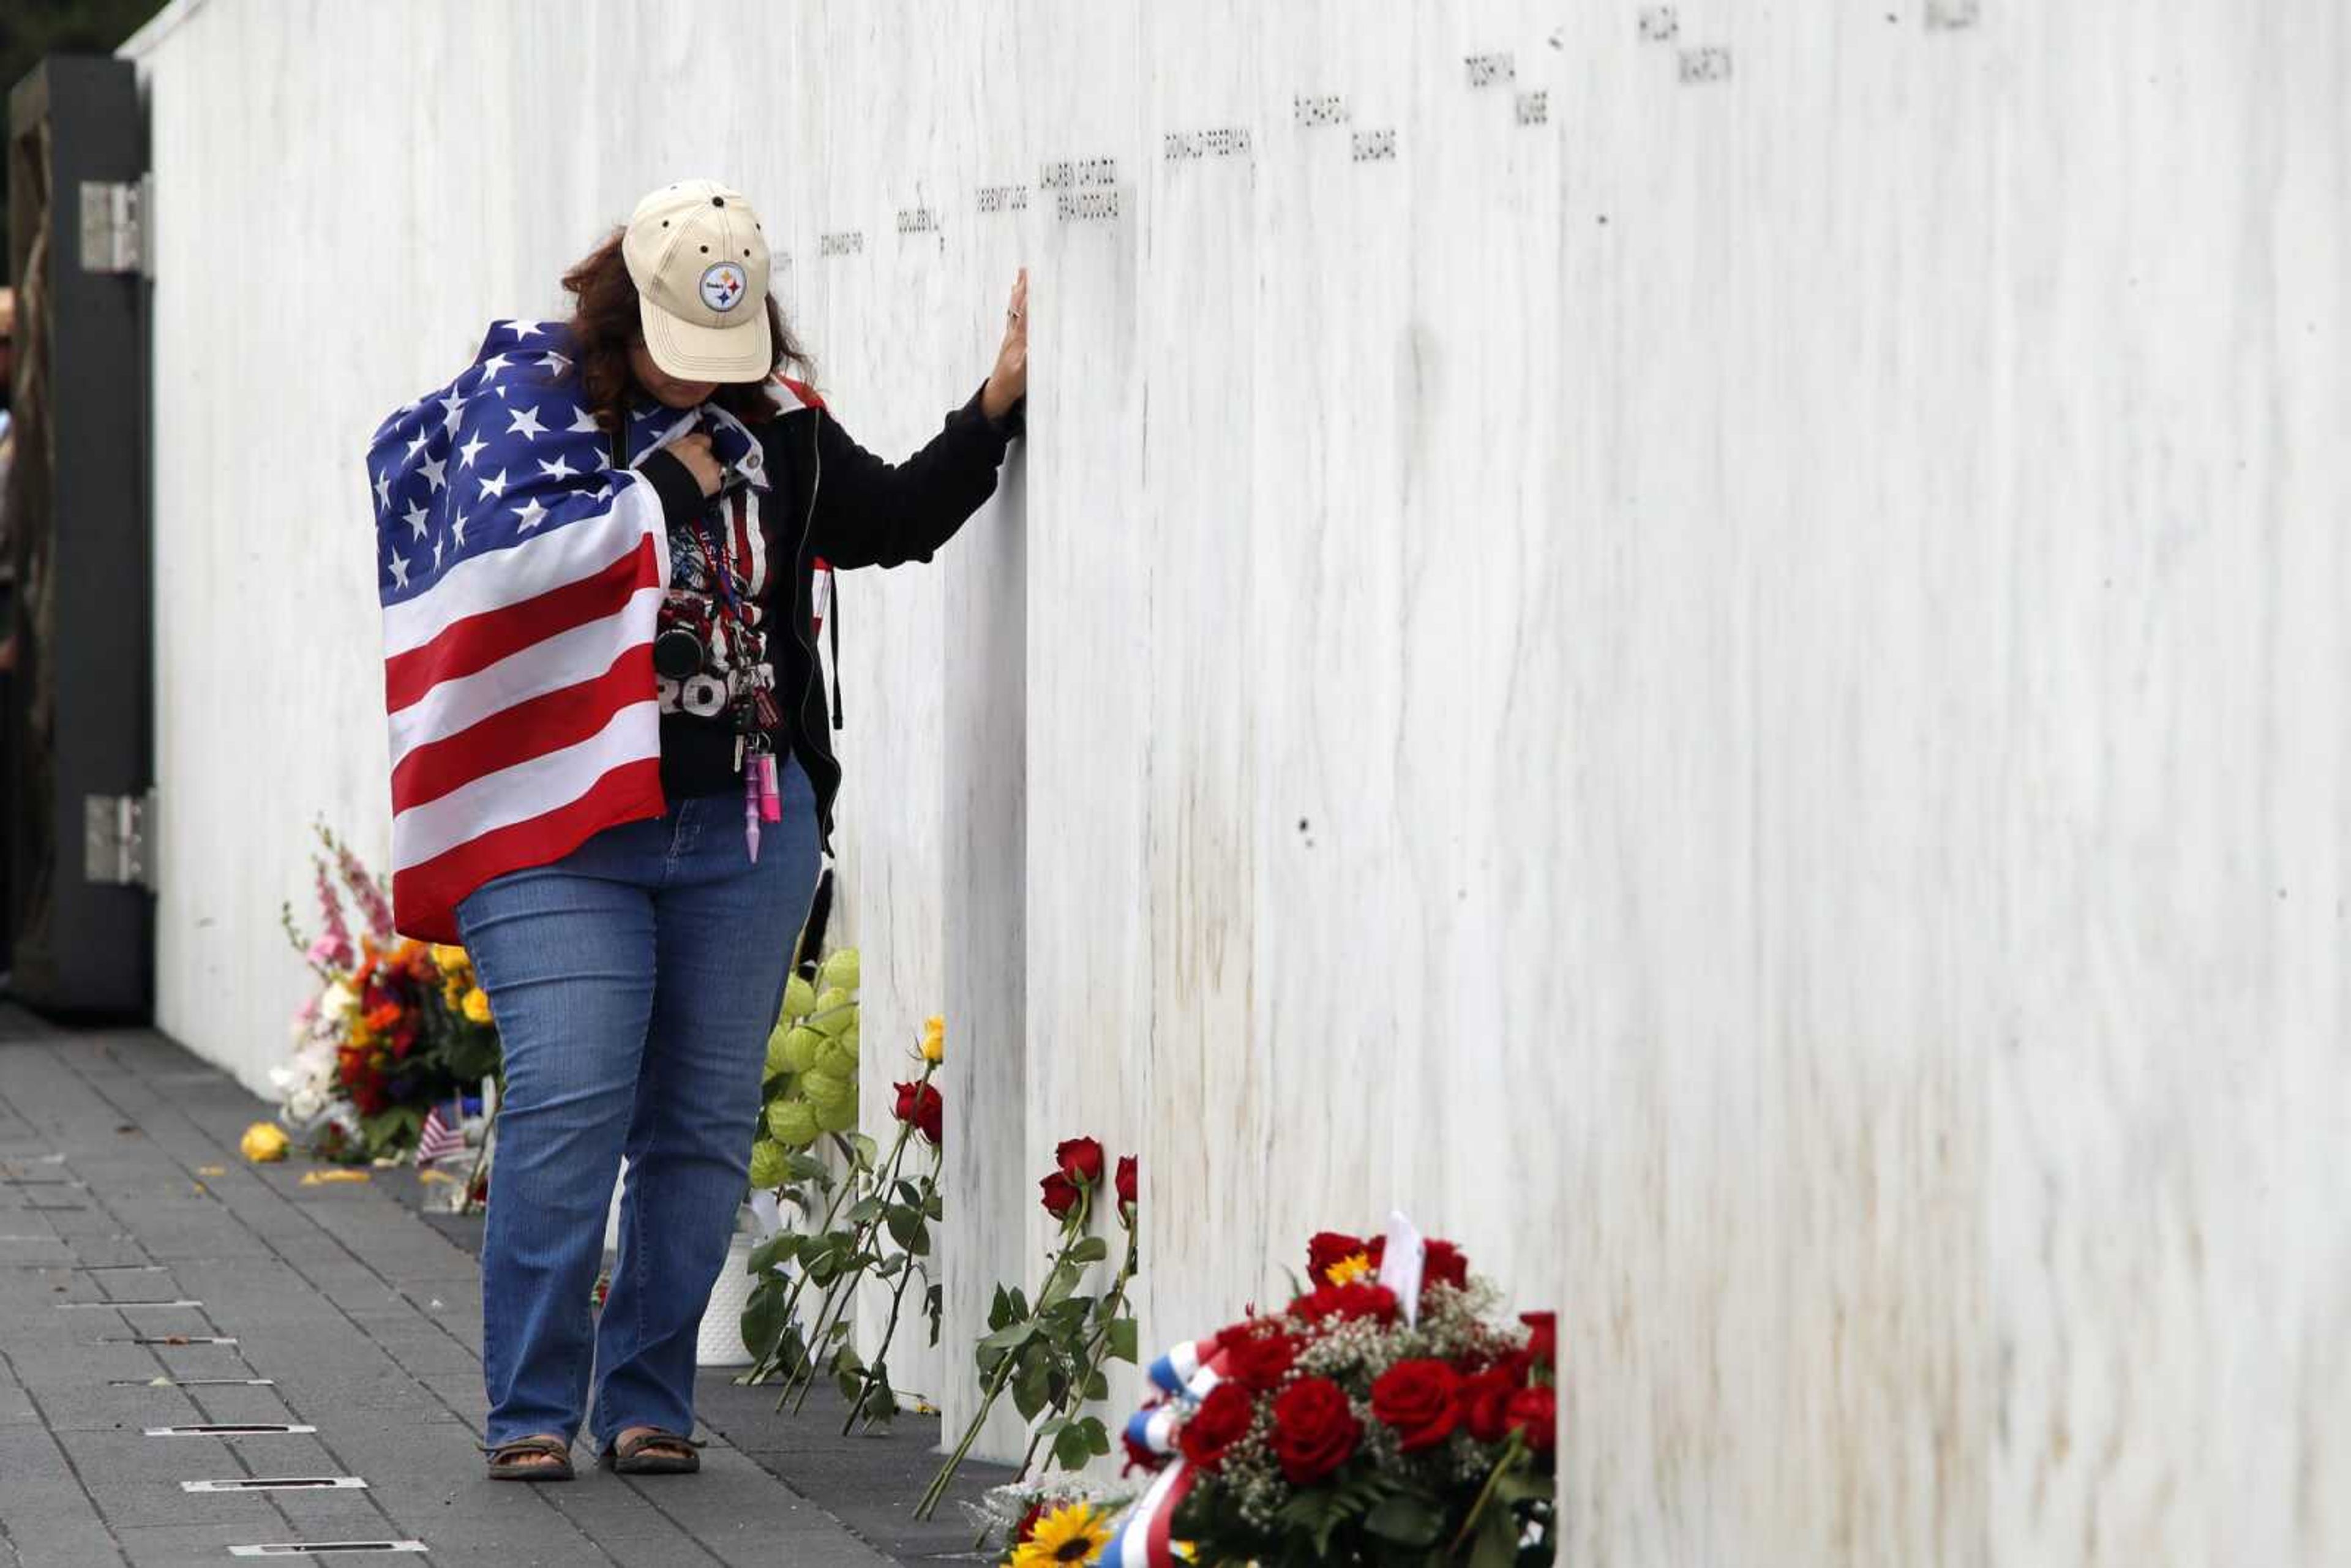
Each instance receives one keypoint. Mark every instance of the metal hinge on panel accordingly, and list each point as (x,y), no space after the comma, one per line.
(115,225)
(118,842)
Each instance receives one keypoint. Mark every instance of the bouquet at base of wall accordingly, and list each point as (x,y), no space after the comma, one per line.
(394,1026)
(1354,1426)
(1050,1521)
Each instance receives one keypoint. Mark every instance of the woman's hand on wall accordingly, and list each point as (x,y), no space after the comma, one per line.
(1009,381)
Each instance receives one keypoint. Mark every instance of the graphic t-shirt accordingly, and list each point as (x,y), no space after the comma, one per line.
(704,668)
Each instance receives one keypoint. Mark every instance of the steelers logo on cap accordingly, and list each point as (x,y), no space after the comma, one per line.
(724,286)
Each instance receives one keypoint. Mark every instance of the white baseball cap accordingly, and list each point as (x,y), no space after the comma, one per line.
(700,264)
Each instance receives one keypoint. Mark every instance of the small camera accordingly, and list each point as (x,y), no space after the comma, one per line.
(677,654)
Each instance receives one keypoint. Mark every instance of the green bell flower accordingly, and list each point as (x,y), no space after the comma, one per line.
(768,1165)
(836,1012)
(800,1048)
(840,970)
(832,1100)
(799,998)
(837,1058)
(792,1124)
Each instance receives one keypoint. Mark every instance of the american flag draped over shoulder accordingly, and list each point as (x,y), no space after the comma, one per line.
(520,578)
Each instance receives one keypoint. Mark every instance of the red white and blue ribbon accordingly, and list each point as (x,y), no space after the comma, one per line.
(1145,1535)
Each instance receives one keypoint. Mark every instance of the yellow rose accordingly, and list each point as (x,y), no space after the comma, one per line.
(263,1142)
(477,1004)
(451,958)
(934,1039)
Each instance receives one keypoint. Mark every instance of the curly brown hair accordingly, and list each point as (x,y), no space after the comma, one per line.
(605,323)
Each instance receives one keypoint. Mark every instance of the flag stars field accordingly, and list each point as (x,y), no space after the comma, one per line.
(579,583)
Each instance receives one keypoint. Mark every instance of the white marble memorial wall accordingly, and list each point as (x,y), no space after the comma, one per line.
(1700,640)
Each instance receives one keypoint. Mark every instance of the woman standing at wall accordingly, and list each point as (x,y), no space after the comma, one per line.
(611,778)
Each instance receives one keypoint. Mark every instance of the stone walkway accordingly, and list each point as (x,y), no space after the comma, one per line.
(349,1317)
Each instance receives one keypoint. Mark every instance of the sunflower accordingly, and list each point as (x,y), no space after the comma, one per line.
(1075,1533)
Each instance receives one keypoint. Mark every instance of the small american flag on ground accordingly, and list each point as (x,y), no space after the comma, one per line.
(520,577)
(438,1139)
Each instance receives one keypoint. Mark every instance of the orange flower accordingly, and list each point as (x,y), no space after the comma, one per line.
(383,1016)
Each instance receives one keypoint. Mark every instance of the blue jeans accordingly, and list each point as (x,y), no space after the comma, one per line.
(635,982)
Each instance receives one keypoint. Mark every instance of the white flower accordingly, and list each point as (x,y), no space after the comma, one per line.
(337,1000)
(306,1103)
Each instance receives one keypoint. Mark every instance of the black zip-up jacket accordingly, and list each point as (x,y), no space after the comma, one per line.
(828,498)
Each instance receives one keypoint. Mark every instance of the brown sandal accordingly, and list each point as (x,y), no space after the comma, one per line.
(524,1459)
(628,1455)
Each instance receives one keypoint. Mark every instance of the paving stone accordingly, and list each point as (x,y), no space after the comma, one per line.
(144,1504)
(98,1407)
(55,1538)
(198,1544)
(336,1515)
(16,1407)
(78,1362)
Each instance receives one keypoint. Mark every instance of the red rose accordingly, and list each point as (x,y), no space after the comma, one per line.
(922,1105)
(1328,1248)
(1027,1528)
(1348,1303)
(1126,1173)
(1416,1398)
(1222,1420)
(1315,1429)
(1444,1265)
(1542,1342)
(1081,1160)
(1061,1195)
(1485,1403)
(1534,1413)
(1260,1358)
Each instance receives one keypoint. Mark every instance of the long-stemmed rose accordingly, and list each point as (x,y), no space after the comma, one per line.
(1067,1193)
(868,1215)
(1109,1333)
(921,1107)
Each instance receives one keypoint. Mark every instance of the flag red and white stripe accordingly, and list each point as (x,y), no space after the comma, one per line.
(520,576)
(438,1139)
(521,696)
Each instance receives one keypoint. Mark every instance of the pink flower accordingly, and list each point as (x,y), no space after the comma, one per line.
(337,936)
(364,889)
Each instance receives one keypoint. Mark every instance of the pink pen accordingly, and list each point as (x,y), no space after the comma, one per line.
(771,796)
